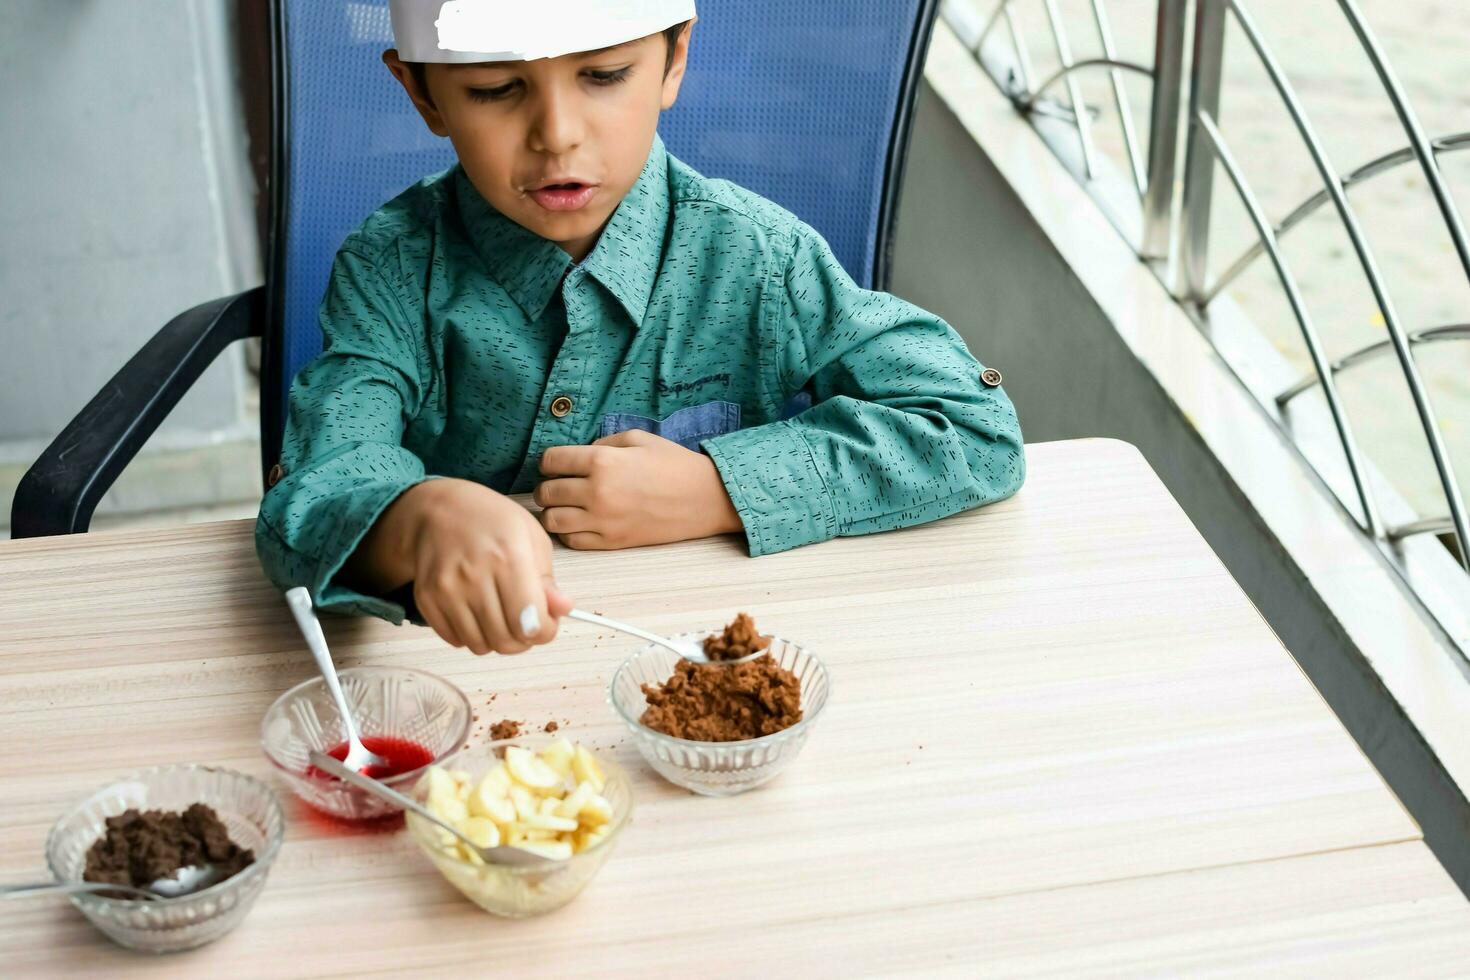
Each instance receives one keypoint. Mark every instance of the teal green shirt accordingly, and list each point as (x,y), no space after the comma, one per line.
(459,344)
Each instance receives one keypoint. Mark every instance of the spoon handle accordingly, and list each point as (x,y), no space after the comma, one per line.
(299,599)
(621,627)
(66,888)
(493,855)
(330,765)
(688,652)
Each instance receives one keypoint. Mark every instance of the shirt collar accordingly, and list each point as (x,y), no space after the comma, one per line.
(527,265)
(625,259)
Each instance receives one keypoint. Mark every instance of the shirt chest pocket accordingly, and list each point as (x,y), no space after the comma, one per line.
(688,426)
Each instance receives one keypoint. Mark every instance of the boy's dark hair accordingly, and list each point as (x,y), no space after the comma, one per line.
(671,37)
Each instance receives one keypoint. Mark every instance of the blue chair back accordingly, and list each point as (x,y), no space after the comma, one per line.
(803,102)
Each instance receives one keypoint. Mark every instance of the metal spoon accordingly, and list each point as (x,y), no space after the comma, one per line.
(490,855)
(185,881)
(359,757)
(688,649)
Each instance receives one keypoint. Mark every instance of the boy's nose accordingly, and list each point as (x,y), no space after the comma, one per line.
(557,127)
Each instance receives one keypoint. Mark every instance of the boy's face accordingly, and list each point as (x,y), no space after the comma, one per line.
(553,144)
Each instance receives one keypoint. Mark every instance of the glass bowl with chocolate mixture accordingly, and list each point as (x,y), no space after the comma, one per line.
(721,729)
(146,826)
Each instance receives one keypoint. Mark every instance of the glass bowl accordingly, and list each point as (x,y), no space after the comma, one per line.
(521,892)
(246,806)
(717,768)
(392,702)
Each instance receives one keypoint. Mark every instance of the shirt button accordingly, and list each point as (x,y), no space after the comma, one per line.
(561,406)
(275,475)
(990,377)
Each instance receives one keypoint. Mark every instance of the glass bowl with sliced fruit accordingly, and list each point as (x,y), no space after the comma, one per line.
(548,796)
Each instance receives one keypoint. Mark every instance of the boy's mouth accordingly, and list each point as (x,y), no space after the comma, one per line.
(571,195)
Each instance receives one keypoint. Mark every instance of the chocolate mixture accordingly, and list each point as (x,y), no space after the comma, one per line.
(740,639)
(726,703)
(141,847)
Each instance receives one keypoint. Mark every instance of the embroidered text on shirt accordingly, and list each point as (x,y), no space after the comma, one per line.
(680,386)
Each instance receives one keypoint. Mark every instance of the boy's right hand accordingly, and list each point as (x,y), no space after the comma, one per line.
(479,562)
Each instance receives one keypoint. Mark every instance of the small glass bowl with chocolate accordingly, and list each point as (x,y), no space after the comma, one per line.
(225,822)
(720,729)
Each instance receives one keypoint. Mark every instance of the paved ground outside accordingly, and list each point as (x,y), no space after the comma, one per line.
(1426,41)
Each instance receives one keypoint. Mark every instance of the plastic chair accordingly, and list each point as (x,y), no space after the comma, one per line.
(806,103)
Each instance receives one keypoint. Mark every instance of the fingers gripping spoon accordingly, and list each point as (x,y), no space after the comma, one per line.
(358,757)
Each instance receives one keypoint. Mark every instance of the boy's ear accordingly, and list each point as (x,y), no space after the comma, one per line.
(417,92)
(674,78)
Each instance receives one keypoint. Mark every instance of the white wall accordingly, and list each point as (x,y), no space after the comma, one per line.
(125,199)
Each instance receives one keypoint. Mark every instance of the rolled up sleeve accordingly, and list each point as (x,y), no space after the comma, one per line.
(902,429)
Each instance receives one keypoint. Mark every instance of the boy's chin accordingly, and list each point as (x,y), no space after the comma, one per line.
(565,228)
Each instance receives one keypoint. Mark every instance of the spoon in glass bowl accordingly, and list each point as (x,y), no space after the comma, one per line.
(688,649)
(503,854)
(359,757)
(185,881)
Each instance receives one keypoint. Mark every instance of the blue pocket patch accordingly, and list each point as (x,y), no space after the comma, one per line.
(688,426)
(796,404)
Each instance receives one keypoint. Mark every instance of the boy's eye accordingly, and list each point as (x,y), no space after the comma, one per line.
(493,94)
(609,77)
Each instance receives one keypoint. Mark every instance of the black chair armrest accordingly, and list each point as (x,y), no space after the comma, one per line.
(61,489)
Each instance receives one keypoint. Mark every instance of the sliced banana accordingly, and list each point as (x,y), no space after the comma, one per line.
(488,800)
(550,804)
(557,850)
(558,755)
(596,811)
(543,821)
(584,767)
(572,805)
(480,830)
(528,770)
(525,803)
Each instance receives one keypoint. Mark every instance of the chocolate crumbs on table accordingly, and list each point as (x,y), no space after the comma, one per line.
(506,728)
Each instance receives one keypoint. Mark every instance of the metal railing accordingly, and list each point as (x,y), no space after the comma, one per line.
(1162,201)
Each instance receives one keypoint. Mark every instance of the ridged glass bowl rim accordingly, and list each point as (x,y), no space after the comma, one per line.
(401,778)
(807,718)
(258,867)
(611,769)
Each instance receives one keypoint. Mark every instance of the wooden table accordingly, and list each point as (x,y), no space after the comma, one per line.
(1060,740)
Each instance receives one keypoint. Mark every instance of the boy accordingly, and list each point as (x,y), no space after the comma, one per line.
(569,310)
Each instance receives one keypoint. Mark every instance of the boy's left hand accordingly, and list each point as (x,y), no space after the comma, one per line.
(632,489)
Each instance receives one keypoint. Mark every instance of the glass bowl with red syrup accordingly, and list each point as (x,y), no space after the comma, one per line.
(410,717)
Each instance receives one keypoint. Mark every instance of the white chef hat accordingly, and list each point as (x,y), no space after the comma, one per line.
(467,31)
